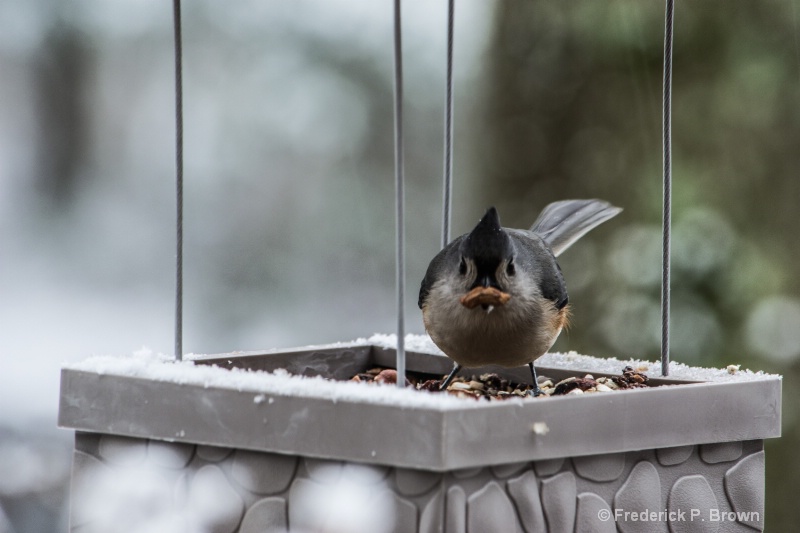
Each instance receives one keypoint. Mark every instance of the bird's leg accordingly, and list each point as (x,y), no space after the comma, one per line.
(450,377)
(535,391)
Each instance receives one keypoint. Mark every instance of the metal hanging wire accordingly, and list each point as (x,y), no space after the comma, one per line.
(399,187)
(176,14)
(448,131)
(667,212)
(399,196)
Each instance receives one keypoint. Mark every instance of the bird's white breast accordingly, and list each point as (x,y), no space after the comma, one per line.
(510,335)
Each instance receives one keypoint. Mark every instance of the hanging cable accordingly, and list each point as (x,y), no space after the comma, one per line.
(176,11)
(448,131)
(667,213)
(399,196)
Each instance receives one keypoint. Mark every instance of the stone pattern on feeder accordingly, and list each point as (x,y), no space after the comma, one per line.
(256,491)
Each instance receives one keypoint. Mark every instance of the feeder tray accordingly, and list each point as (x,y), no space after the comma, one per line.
(697,441)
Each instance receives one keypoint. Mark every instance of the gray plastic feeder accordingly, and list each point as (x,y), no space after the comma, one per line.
(687,457)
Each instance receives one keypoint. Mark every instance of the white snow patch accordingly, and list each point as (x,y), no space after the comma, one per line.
(142,498)
(329,346)
(413,343)
(348,501)
(158,367)
(541,428)
(677,371)
(572,361)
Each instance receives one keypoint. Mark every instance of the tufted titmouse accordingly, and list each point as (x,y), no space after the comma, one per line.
(496,295)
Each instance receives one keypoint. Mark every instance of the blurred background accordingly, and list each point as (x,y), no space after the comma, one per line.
(289,221)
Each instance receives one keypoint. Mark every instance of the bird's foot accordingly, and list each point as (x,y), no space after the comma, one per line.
(449,377)
(536,391)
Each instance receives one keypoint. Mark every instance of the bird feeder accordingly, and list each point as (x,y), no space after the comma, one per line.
(690,447)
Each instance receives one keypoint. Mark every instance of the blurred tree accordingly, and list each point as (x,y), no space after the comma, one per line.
(62,74)
(573,109)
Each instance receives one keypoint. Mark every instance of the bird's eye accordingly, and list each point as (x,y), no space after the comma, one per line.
(462,267)
(511,269)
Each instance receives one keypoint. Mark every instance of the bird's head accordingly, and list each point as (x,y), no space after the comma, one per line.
(487,263)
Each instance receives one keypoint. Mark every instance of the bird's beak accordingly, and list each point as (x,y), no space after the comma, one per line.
(485,296)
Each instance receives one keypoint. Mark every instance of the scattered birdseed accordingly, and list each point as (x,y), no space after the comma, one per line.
(631,379)
(492,387)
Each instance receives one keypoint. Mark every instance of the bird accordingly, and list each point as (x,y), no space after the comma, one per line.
(497,296)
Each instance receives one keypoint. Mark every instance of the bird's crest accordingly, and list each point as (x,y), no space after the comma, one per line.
(487,240)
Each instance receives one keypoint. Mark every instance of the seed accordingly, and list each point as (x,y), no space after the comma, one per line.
(564,381)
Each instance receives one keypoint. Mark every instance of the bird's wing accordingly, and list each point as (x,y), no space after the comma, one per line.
(536,256)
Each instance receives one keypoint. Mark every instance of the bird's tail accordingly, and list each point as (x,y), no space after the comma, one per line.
(562,223)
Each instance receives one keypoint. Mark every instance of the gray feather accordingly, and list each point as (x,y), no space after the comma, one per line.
(562,223)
